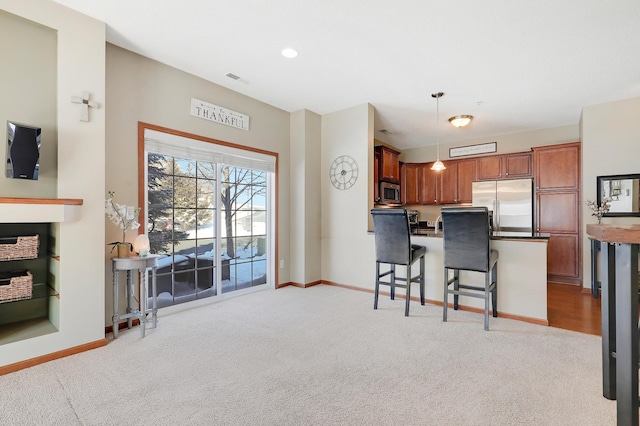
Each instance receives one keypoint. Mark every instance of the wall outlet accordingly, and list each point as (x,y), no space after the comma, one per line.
(281,263)
(431,223)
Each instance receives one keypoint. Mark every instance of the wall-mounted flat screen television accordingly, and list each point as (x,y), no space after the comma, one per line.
(23,151)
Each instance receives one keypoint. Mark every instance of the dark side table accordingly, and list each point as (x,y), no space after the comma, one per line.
(130,265)
(619,292)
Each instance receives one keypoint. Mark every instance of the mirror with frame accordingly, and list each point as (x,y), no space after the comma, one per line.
(624,191)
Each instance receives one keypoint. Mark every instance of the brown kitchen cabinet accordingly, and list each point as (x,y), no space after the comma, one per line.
(449,186)
(467,173)
(448,183)
(376,182)
(490,167)
(517,165)
(505,166)
(557,187)
(410,192)
(429,184)
(557,167)
(389,168)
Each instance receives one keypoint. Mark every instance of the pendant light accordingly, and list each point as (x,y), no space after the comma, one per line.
(438,165)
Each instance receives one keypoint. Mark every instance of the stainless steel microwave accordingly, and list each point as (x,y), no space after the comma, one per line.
(389,193)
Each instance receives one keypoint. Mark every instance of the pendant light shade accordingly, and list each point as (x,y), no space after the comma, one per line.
(438,165)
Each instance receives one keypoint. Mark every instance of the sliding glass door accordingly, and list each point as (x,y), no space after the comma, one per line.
(209,223)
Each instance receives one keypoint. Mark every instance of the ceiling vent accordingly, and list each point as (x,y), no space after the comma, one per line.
(233,76)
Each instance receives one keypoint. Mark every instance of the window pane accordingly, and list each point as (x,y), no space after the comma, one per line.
(206,279)
(206,170)
(186,248)
(259,272)
(259,223)
(244,176)
(206,195)
(258,199)
(261,247)
(184,167)
(259,178)
(184,193)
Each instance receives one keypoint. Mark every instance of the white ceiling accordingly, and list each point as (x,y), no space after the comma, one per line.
(516,65)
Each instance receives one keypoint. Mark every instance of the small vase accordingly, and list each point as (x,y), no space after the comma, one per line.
(599,219)
(124,249)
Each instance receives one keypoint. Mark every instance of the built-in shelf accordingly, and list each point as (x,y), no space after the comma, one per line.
(55,201)
(15,332)
(48,209)
(34,316)
(39,291)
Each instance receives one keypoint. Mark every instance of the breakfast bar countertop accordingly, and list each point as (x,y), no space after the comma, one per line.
(496,235)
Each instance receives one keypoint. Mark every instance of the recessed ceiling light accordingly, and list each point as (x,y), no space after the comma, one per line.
(289,53)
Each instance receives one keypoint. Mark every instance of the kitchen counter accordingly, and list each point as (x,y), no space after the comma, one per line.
(496,235)
(522,273)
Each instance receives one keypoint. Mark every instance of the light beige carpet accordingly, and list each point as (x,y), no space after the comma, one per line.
(319,356)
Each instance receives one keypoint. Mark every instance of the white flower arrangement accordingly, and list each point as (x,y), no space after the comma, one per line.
(599,211)
(122,216)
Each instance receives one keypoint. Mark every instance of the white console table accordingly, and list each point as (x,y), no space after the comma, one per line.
(142,265)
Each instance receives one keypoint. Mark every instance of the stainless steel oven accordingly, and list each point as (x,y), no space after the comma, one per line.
(389,193)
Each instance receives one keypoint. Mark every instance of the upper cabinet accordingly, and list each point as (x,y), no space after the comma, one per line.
(448,177)
(517,165)
(490,167)
(467,173)
(421,185)
(389,168)
(506,166)
(410,183)
(557,166)
(376,169)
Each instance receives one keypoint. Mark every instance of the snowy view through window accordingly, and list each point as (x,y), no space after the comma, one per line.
(194,206)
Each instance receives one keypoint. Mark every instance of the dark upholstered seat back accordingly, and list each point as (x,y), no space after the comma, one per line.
(466,238)
(393,239)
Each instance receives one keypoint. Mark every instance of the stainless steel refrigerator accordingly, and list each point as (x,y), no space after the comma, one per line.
(510,201)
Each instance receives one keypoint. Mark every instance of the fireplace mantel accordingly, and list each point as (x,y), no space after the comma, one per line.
(20,210)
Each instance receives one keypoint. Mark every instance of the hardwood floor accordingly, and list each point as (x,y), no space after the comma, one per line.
(570,309)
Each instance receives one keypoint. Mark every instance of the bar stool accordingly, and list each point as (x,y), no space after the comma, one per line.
(393,247)
(467,247)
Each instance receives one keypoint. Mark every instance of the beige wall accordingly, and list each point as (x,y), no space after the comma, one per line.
(347,249)
(140,89)
(610,145)
(305,197)
(29,55)
(80,65)
(516,142)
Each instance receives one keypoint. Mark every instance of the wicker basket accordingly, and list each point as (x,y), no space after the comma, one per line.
(15,285)
(13,248)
